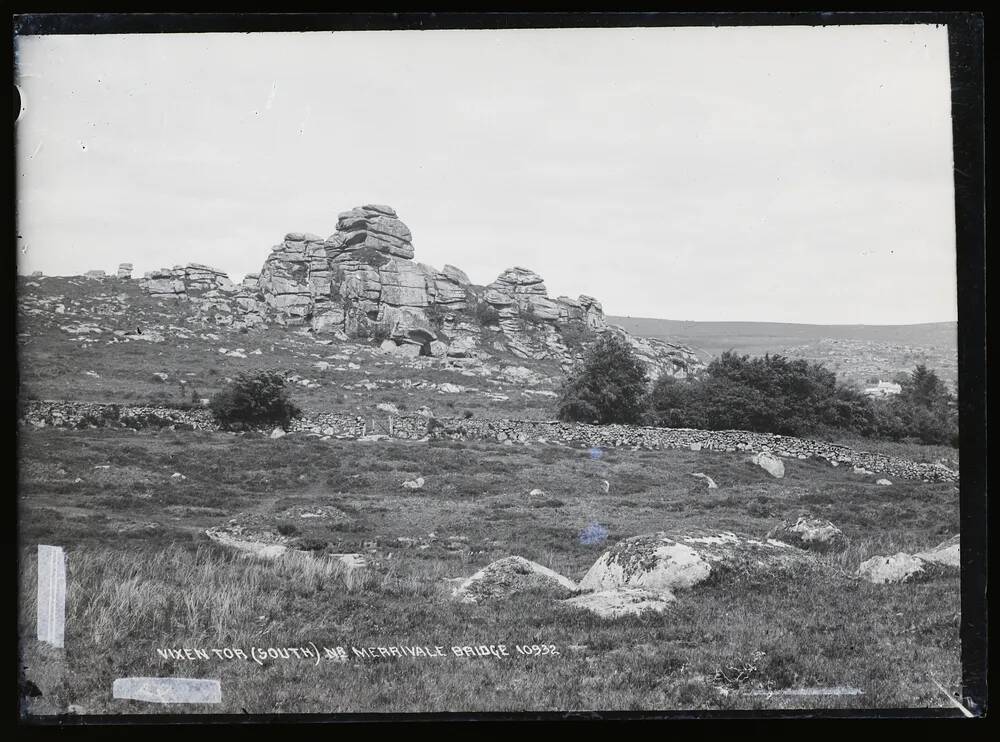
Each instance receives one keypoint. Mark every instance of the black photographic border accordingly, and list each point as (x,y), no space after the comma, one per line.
(966,51)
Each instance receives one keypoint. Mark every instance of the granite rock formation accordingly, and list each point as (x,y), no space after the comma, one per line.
(363,282)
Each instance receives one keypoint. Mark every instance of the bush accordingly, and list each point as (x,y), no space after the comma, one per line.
(254,399)
(576,335)
(610,386)
(435,315)
(772,394)
(486,313)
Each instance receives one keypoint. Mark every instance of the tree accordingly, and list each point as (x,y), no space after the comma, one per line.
(924,410)
(923,388)
(254,399)
(609,387)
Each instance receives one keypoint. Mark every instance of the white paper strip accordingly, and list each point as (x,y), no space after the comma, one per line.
(168,690)
(51,595)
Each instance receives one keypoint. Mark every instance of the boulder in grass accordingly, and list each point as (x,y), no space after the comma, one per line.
(711,482)
(512,575)
(900,567)
(811,533)
(653,562)
(623,601)
(884,483)
(769,463)
(660,563)
(947,554)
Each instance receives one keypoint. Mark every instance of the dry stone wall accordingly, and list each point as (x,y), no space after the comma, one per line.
(39,413)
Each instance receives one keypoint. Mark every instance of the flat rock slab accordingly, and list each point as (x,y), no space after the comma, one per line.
(509,576)
(625,601)
(899,567)
(947,554)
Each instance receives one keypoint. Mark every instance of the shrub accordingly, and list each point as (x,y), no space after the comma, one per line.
(486,313)
(435,315)
(254,399)
(610,386)
(575,335)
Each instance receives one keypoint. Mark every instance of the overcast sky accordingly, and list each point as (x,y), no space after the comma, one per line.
(787,174)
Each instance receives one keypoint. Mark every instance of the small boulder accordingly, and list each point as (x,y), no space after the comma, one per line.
(769,463)
(278,433)
(900,567)
(711,482)
(624,601)
(414,484)
(810,533)
(512,575)
(884,482)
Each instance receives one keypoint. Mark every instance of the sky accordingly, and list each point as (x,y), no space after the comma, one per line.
(784,174)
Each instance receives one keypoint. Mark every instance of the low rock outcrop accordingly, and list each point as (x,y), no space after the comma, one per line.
(814,534)
(623,601)
(512,575)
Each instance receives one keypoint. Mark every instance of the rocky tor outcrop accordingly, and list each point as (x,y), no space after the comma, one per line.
(362,281)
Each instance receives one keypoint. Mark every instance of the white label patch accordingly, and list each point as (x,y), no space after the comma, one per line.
(51,595)
(168,690)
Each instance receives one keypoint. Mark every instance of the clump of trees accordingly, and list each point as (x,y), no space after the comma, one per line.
(610,386)
(768,394)
(254,399)
(924,411)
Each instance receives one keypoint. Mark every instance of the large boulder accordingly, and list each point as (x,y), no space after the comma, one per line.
(373,226)
(769,463)
(654,562)
(660,563)
(899,567)
(512,575)
(404,283)
(456,275)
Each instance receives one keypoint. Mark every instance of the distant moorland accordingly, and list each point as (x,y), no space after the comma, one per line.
(854,352)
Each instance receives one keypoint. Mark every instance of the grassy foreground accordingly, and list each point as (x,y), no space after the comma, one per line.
(142,576)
